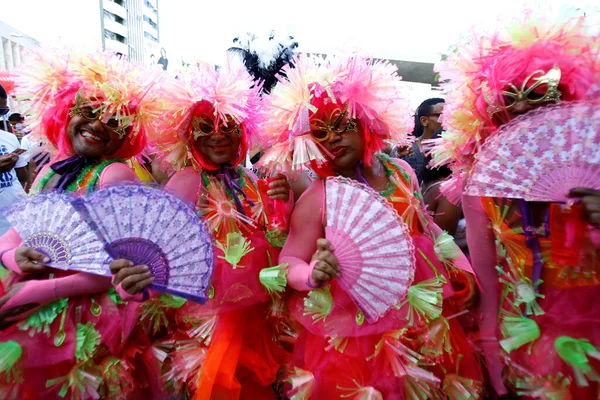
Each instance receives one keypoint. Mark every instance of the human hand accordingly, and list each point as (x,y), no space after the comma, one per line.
(405,151)
(31,261)
(8,162)
(279,188)
(133,279)
(327,266)
(590,199)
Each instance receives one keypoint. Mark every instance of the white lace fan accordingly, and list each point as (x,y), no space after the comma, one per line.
(541,155)
(49,223)
(372,245)
(151,227)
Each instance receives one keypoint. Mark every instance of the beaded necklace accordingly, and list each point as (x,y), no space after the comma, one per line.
(86,180)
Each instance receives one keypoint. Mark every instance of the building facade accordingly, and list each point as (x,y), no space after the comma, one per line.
(13,53)
(130,27)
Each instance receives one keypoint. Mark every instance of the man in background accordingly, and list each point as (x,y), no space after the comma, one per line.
(13,172)
(16,122)
(427,126)
(163,60)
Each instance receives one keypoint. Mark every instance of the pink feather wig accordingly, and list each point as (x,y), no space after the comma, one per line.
(315,87)
(480,69)
(229,93)
(51,81)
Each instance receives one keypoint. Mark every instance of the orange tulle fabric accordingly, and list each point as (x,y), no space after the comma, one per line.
(242,357)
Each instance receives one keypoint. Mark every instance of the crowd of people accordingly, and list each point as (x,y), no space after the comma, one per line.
(501,300)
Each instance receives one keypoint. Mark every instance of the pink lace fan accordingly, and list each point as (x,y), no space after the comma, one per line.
(372,245)
(541,155)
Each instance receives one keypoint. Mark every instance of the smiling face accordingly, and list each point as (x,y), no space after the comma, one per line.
(92,138)
(218,144)
(340,135)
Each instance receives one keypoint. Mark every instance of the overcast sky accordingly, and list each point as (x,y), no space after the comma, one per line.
(415,30)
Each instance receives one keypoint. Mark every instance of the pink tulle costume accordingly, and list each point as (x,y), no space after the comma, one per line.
(537,262)
(76,337)
(417,349)
(227,348)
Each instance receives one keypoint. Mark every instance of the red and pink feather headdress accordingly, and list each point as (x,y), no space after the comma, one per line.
(51,80)
(478,73)
(368,89)
(227,93)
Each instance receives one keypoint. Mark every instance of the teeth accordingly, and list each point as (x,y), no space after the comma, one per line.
(89,135)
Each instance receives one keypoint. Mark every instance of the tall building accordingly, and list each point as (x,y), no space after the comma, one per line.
(13,53)
(130,27)
(151,31)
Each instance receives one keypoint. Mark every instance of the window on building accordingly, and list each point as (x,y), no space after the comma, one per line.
(150,6)
(152,23)
(113,17)
(150,37)
(114,36)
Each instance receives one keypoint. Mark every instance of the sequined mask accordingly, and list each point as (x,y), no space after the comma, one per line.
(84,109)
(202,127)
(527,92)
(321,131)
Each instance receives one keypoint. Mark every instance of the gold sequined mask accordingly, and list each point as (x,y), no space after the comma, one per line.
(339,124)
(83,108)
(527,93)
(202,127)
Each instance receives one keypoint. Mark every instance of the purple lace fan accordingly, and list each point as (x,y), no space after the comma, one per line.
(49,223)
(150,227)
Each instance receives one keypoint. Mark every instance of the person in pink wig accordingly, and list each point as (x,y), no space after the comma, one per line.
(65,333)
(537,262)
(227,348)
(335,116)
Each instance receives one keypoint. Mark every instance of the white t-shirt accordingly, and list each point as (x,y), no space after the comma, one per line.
(32,148)
(10,187)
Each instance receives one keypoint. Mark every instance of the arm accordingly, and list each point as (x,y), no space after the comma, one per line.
(186,185)
(446,214)
(46,291)
(115,173)
(8,244)
(306,227)
(31,167)
(483,255)
(23,176)
(299,183)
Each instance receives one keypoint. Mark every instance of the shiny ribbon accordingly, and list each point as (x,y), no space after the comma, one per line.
(359,175)
(69,169)
(228,176)
(531,239)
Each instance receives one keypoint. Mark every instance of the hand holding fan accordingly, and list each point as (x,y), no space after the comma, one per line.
(541,155)
(372,246)
(150,227)
(49,223)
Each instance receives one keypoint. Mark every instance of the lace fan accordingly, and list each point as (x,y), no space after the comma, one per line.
(372,246)
(150,227)
(541,155)
(49,223)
